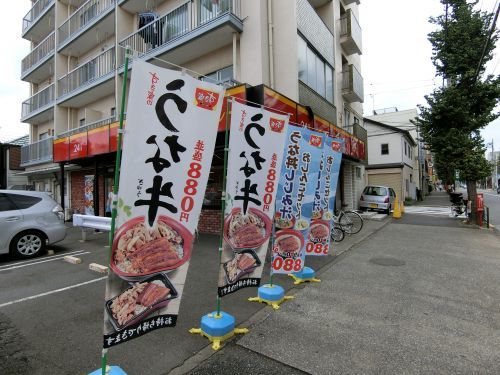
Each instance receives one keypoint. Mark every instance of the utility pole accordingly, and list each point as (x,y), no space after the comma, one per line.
(494,167)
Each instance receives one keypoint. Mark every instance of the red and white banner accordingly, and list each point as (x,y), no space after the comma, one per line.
(168,146)
(255,153)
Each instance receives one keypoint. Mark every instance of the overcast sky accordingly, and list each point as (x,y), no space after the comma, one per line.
(396,64)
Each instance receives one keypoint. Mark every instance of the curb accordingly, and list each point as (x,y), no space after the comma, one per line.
(192,362)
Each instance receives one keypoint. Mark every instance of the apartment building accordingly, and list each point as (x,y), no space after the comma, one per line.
(301,56)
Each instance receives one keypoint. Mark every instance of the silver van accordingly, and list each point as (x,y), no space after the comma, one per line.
(29,220)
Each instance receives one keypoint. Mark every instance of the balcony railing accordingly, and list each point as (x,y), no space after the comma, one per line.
(35,12)
(178,22)
(94,69)
(82,17)
(87,127)
(352,84)
(37,152)
(350,29)
(39,100)
(43,49)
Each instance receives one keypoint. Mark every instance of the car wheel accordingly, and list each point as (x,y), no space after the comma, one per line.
(388,211)
(28,244)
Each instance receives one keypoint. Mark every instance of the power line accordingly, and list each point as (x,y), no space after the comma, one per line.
(492,29)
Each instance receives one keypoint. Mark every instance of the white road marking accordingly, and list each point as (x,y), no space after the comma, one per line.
(40,262)
(41,259)
(51,292)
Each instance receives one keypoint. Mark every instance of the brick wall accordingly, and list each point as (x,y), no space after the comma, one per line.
(209,222)
(15,158)
(77,192)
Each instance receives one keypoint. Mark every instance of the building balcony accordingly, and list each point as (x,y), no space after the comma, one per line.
(39,64)
(36,23)
(37,152)
(77,35)
(350,33)
(348,2)
(187,32)
(352,84)
(88,82)
(137,6)
(40,107)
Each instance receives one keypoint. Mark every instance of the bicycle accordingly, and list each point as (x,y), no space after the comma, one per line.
(337,234)
(350,221)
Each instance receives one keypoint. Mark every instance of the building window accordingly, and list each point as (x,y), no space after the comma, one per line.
(224,75)
(406,149)
(384,148)
(113,112)
(42,136)
(314,71)
(407,185)
(358,173)
(347,118)
(82,122)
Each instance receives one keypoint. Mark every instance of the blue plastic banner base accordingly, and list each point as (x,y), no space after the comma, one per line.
(110,370)
(306,275)
(273,295)
(217,328)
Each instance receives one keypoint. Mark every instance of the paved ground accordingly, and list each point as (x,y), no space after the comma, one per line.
(51,312)
(420,296)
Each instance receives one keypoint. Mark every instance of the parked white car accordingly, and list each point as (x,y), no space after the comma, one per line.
(29,220)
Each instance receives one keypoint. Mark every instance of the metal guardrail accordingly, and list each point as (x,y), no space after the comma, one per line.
(83,16)
(94,69)
(180,21)
(39,100)
(87,127)
(37,152)
(35,12)
(44,48)
(93,222)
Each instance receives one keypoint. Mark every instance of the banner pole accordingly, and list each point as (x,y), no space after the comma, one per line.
(104,359)
(224,193)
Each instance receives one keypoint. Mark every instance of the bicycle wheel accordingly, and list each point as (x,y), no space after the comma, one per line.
(337,233)
(351,222)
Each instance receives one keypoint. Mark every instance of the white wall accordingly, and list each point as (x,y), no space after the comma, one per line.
(376,137)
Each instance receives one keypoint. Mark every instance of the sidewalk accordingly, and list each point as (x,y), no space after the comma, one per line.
(396,303)
(436,198)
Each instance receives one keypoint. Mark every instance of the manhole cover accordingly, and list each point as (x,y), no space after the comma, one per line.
(386,261)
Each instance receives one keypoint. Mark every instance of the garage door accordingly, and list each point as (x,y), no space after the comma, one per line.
(392,180)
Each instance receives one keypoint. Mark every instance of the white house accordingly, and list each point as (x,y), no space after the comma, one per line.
(390,158)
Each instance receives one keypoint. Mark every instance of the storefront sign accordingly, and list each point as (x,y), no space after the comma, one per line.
(254,165)
(280,103)
(168,146)
(297,184)
(235,92)
(98,140)
(61,149)
(304,118)
(321,125)
(78,146)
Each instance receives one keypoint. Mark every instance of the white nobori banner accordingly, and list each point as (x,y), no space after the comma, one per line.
(168,145)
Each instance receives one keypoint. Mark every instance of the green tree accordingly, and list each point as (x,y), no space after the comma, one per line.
(450,122)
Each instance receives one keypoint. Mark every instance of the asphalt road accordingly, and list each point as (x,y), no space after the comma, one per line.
(492,200)
(51,312)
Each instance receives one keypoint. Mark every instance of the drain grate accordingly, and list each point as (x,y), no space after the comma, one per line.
(387,261)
